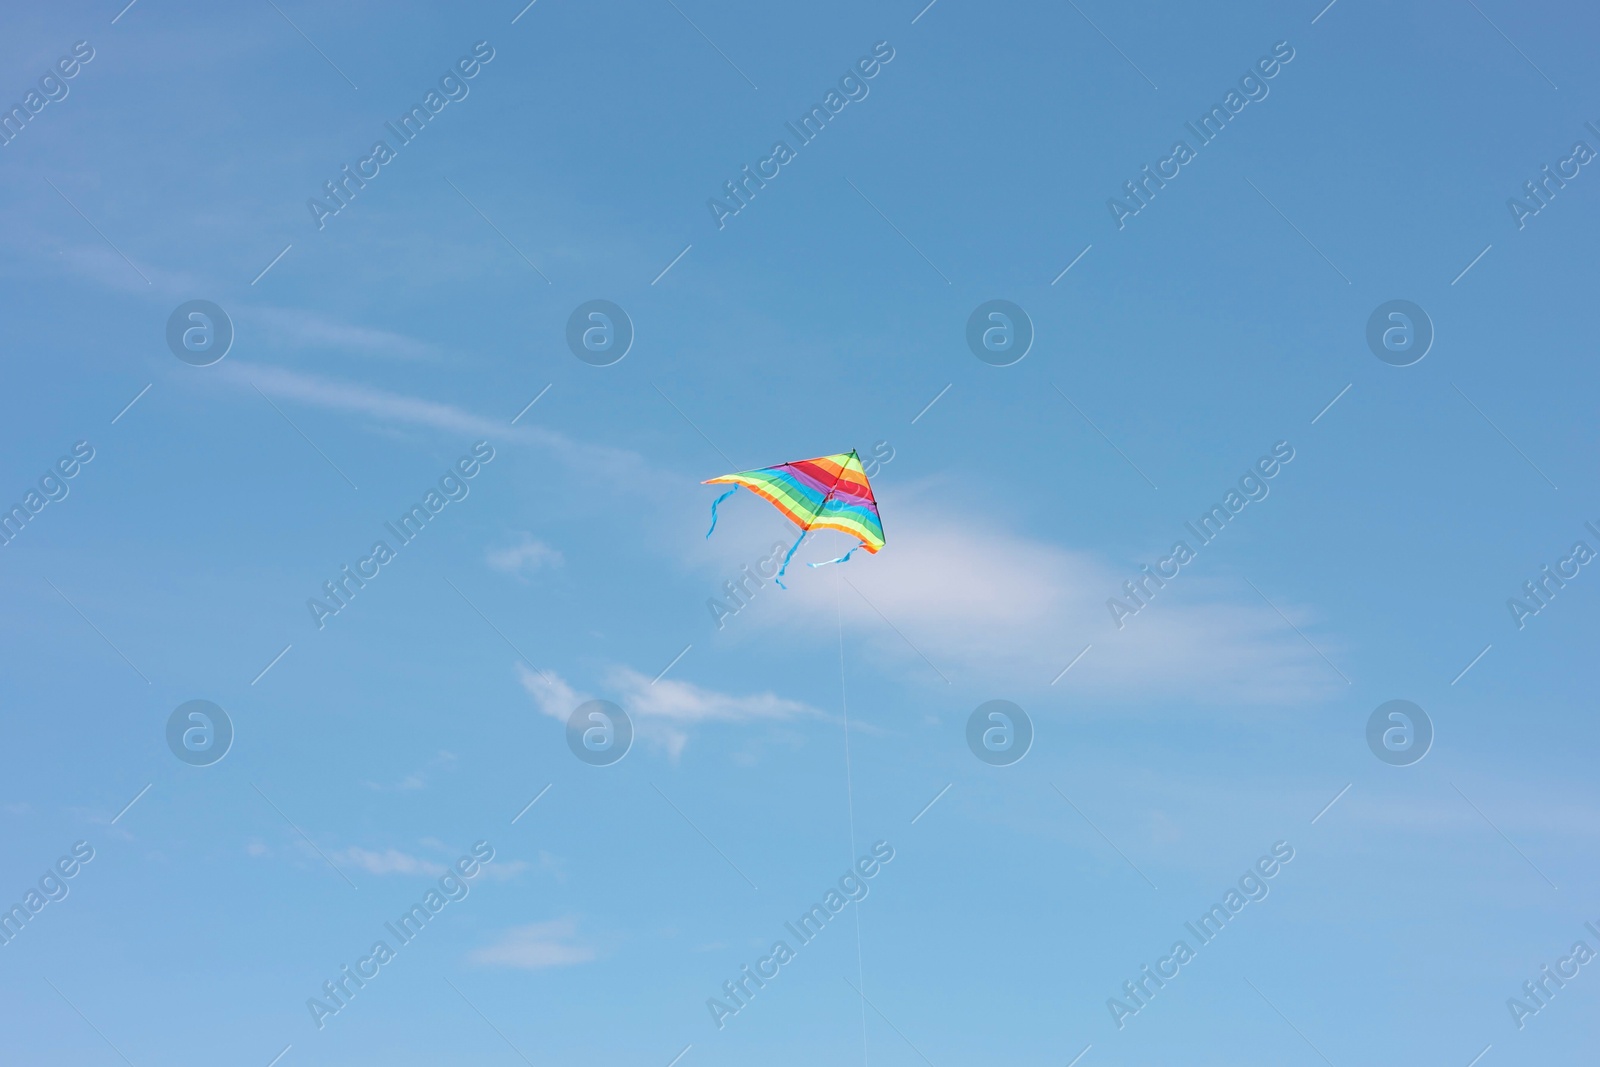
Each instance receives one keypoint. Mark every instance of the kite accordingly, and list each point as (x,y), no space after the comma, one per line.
(826,493)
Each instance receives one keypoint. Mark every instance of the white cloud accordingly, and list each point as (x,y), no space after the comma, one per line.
(524,557)
(679,701)
(294,326)
(550,691)
(417,779)
(380,403)
(553,865)
(534,947)
(389,861)
(106,267)
(661,711)
(502,870)
(984,605)
(599,464)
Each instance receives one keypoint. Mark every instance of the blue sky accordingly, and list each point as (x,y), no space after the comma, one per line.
(1227,318)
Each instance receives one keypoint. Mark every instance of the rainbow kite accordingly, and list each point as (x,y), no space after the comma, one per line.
(826,493)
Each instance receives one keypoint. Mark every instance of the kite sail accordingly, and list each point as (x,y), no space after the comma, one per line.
(826,493)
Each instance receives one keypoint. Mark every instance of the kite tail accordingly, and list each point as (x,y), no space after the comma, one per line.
(714,504)
(790,556)
(841,559)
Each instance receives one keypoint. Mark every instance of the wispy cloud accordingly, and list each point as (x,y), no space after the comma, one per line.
(980,604)
(389,861)
(417,779)
(685,702)
(381,404)
(523,558)
(103,266)
(550,692)
(535,947)
(310,329)
(662,711)
(600,464)
(394,861)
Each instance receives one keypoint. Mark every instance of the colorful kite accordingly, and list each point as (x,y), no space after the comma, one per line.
(826,493)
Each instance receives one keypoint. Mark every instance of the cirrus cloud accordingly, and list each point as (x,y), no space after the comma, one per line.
(534,946)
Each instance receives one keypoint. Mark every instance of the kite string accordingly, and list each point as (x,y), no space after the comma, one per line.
(850,794)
